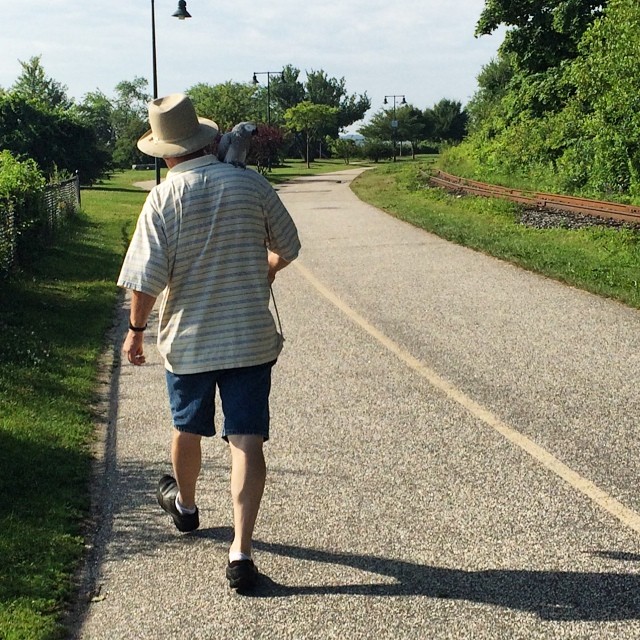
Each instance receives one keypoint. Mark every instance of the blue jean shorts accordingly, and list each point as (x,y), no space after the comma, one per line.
(244,396)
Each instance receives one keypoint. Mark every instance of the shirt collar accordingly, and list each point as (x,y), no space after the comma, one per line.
(194,163)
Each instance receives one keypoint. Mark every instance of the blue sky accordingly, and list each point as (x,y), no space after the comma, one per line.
(424,49)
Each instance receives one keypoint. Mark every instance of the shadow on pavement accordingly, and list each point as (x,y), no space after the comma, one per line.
(551,595)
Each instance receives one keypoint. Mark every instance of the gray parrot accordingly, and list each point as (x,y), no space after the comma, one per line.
(234,144)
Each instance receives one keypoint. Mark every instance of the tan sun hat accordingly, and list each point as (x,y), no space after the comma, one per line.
(176,130)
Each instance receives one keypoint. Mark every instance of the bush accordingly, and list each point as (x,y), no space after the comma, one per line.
(343,148)
(266,148)
(376,150)
(22,185)
(21,205)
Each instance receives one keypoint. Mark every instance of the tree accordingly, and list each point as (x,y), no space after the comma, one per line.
(343,147)
(376,150)
(450,121)
(55,139)
(309,118)
(321,89)
(226,104)
(129,121)
(543,33)
(606,106)
(96,111)
(287,91)
(493,82)
(412,125)
(266,147)
(34,85)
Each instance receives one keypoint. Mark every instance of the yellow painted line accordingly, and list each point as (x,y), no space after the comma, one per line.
(626,516)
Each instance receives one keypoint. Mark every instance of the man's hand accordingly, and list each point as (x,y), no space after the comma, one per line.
(276,263)
(133,347)
(141,306)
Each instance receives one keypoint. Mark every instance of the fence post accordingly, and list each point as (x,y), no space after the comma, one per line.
(78,189)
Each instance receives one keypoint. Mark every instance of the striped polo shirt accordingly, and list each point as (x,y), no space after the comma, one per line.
(202,239)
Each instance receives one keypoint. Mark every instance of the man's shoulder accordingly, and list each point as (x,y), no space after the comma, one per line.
(247,174)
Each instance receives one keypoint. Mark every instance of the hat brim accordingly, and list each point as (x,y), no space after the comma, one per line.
(207,133)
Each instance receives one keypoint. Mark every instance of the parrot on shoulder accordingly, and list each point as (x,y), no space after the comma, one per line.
(234,145)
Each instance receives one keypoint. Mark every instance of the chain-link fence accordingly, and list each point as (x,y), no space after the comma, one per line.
(59,201)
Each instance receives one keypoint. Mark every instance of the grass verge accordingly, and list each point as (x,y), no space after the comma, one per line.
(602,260)
(295,168)
(54,315)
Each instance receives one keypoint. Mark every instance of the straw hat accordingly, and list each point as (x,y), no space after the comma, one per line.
(176,130)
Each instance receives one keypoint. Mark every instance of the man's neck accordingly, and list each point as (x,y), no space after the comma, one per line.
(174,162)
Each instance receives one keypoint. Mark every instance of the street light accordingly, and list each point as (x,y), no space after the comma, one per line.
(181,13)
(394,122)
(268,74)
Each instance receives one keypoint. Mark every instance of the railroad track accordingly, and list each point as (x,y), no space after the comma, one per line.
(553,202)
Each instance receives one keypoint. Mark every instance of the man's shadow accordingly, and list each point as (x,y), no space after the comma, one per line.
(552,595)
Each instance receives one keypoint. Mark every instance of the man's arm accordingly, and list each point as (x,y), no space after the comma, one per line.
(141,306)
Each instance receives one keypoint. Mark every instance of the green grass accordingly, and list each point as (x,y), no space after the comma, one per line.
(294,168)
(601,260)
(53,319)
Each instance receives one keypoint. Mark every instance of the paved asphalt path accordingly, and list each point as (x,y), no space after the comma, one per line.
(454,454)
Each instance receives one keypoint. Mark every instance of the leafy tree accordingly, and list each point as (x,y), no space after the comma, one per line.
(576,125)
(309,118)
(607,103)
(449,121)
(96,111)
(286,91)
(412,125)
(129,121)
(34,85)
(543,32)
(345,148)
(226,104)
(55,139)
(493,82)
(376,150)
(266,147)
(321,89)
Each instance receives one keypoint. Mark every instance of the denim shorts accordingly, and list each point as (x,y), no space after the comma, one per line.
(244,396)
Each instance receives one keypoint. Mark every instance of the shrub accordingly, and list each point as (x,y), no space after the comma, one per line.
(376,150)
(22,185)
(266,148)
(21,206)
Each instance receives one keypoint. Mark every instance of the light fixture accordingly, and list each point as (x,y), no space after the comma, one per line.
(181,12)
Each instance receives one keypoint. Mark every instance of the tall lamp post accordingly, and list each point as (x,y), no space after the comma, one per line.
(268,74)
(394,122)
(181,13)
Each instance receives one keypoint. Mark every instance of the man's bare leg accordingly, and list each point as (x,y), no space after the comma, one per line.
(186,456)
(248,475)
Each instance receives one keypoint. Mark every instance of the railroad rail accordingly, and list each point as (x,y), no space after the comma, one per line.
(553,202)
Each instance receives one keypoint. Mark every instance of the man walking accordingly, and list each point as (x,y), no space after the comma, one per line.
(211,238)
